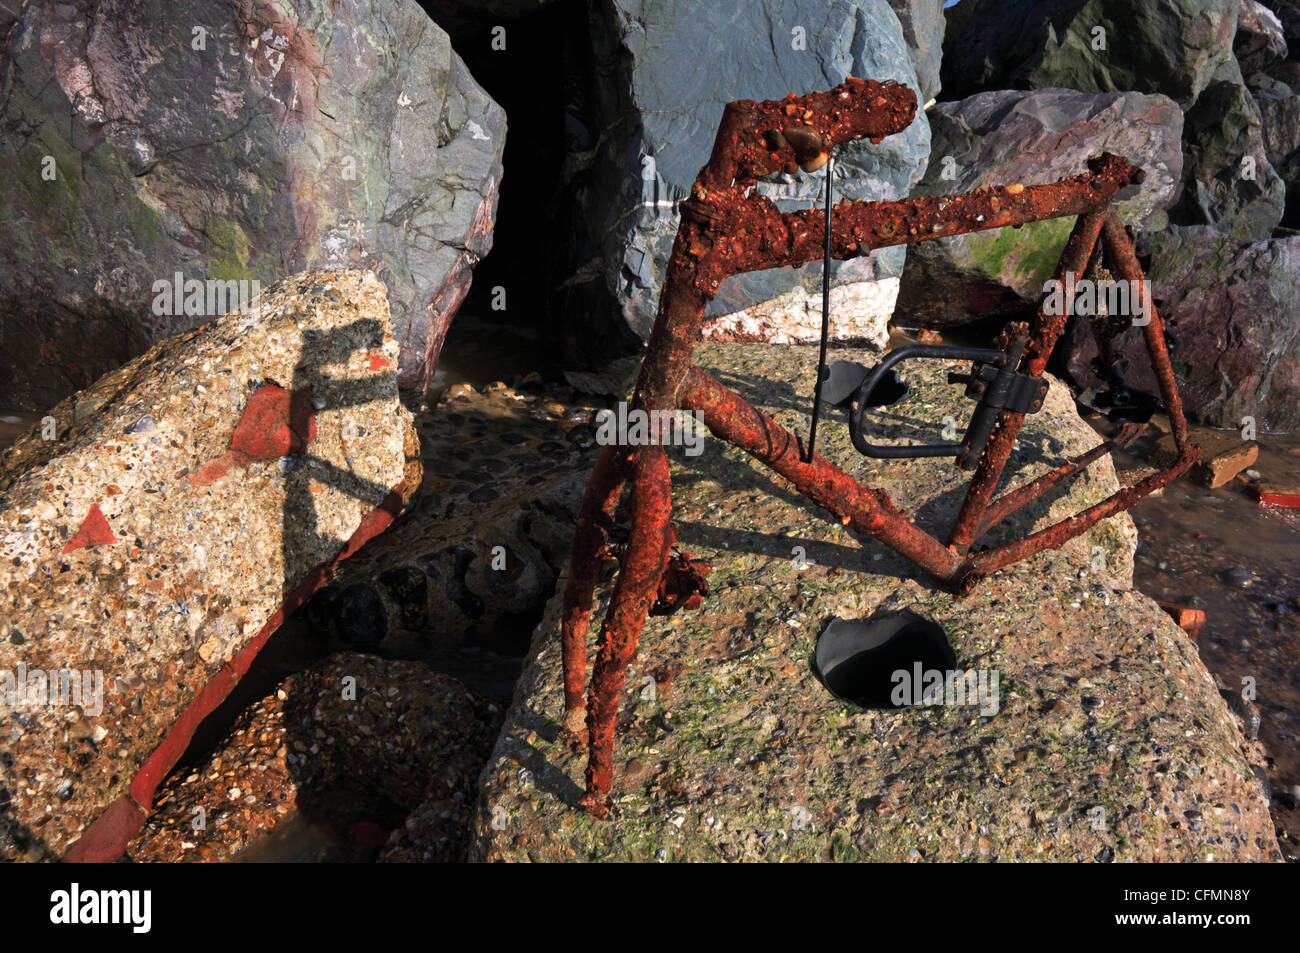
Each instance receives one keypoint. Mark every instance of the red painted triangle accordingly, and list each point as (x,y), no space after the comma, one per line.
(94,531)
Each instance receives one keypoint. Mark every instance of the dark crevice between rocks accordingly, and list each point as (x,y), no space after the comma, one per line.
(539,79)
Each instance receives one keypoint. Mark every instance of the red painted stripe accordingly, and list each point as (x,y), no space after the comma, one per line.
(1268,495)
(106,838)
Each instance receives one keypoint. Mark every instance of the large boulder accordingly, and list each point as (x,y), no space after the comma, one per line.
(229,141)
(661,75)
(1279,114)
(1280,118)
(1228,181)
(1181,48)
(1000,138)
(1288,14)
(157,527)
(1172,47)
(1106,738)
(923,23)
(1232,307)
(1261,40)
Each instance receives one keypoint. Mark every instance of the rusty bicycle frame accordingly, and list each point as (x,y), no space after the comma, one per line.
(727,228)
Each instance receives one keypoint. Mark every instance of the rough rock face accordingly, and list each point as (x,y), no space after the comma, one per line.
(1273,85)
(1172,47)
(1280,116)
(1000,138)
(1181,48)
(1229,182)
(235,142)
(1232,306)
(663,72)
(923,23)
(1109,740)
(1288,13)
(352,740)
(1261,40)
(183,503)
(1279,113)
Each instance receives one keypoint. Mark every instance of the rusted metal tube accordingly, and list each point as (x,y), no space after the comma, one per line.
(734,420)
(991,560)
(855,109)
(699,261)
(767,238)
(642,566)
(1120,248)
(603,491)
(1009,502)
(1078,249)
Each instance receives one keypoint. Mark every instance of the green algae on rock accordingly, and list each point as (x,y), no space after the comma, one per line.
(1109,740)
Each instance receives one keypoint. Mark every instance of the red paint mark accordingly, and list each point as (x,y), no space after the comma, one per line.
(94,531)
(106,838)
(275,422)
(103,841)
(211,471)
(378,363)
(1269,494)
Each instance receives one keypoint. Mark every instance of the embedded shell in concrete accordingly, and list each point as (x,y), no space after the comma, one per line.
(139,548)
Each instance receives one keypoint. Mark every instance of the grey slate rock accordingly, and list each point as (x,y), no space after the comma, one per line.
(923,23)
(663,71)
(1288,12)
(1228,181)
(302,134)
(1171,47)
(1261,40)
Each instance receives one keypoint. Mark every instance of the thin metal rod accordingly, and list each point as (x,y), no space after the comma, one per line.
(1056,535)
(1013,500)
(826,319)
(1124,257)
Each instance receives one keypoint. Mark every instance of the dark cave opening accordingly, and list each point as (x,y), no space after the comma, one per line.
(529,259)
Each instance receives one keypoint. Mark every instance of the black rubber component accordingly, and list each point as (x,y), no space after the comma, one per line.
(844,379)
(868,390)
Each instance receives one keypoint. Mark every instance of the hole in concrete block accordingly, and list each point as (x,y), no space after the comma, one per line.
(856,659)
